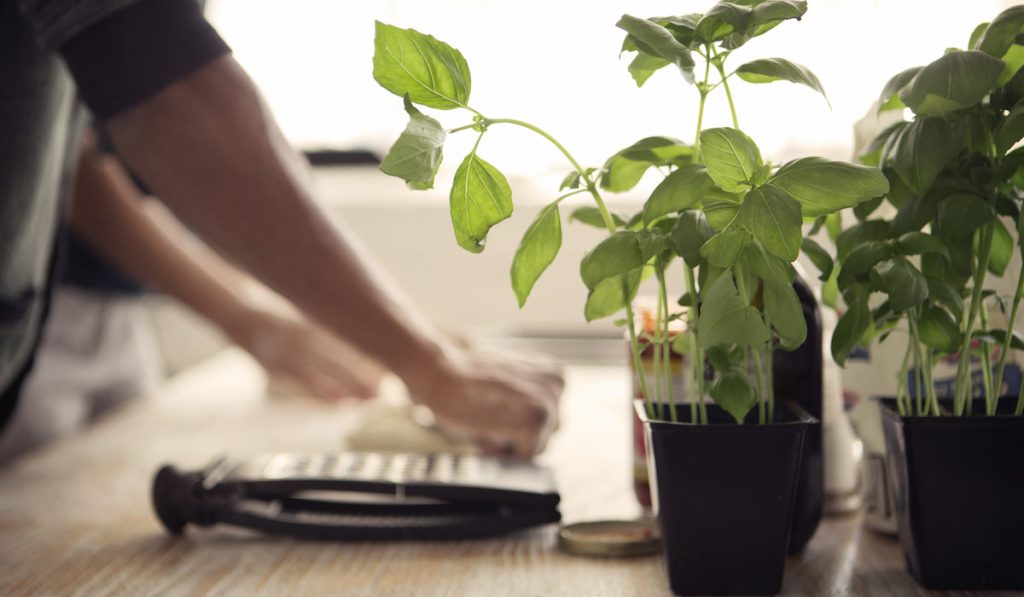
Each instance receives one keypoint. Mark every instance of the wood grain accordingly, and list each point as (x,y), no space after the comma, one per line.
(75,517)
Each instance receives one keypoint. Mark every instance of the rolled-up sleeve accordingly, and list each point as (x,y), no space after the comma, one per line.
(122,52)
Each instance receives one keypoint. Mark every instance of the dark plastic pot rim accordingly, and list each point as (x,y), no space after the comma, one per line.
(799,416)
(891,410)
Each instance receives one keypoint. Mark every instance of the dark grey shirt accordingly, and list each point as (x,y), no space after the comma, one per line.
(114,54)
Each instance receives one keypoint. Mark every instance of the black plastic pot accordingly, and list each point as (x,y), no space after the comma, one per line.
(958,485)
(724,494)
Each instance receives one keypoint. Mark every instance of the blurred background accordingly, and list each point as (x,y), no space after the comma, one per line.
(554,64)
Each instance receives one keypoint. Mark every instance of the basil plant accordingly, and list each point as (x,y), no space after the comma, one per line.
(956,191)
(734,219)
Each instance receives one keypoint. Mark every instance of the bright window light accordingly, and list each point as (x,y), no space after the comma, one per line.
(556,64)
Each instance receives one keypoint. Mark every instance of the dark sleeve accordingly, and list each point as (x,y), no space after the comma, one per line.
(122,52)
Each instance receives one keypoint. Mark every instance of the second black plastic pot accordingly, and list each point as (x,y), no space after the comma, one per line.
(724,494)
(958,486)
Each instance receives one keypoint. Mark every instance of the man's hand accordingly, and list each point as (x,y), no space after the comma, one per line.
(305,353)
(506,405)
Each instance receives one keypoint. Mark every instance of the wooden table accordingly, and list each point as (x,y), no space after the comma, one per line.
(75,517)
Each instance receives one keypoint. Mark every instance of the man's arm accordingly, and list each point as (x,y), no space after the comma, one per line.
(209,148)
(138,235)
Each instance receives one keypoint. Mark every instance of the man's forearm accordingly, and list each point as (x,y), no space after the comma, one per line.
(210,149)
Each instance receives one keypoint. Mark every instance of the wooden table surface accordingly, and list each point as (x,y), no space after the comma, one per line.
(75,517)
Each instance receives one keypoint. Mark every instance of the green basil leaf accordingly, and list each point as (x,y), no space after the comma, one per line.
(430,72)
(959,215)
(922,150)
(607,298)
(591,216)
(615,255)
(682,189)
(643,66)
(1000,34)
(690,233)
(719,358)
(480,198)
(850,328)
(571,181)
(953,82)
(858,234)
(652,242)
(734,393)
(942,292)
(624,170)
(723,249)
(536,251)
(781,303)
(725,319)
(938,330)
(1011,129)
(658,41)
(904,283)
(769,13)
(874,154)
(823,186)
(767,70)
(890,97)
(723,19)
(861,259)
(999,336)
(1002,249)
(773,217)
(919,243)
(862,211)
(720,213)
(731,157)
(416,155)
(819,257)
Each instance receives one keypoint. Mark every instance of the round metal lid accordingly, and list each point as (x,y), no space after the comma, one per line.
(611,538)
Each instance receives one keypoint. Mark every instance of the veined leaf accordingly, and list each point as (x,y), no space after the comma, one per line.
(922,150)
(890,97)
(591,216)
(682,189)
(938,329)
(734,393)
(904,283)
(819,257)
(955,81)
(721,20)
(430,72)
(723,249)
(919,243)
(615,255)
(536,251)
(781,303)
(656,40)
(822,186)
(607,298)
(644,65)
(767,70)
(1002,249)
(623,170)
(690,233)
(961,214)
(773,217)
(731,157)
(725,319)
(1011,129)
(480,198)
(1000,34)
(416,155)
(850,328)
